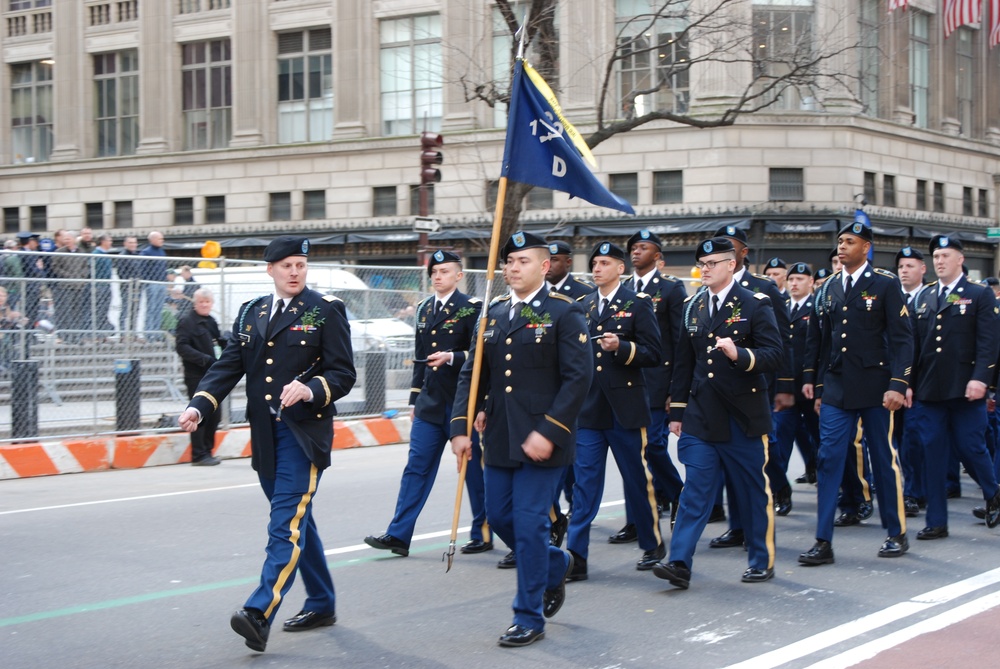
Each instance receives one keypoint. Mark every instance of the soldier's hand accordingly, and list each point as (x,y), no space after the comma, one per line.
(807,391)
(537,447)
(909,398)
(189,420)
(439,358)
(726,345)
(893,400)
(991,405)
(462,448)
(480,423)
(783,401)
(975,390)
(413,413)
(609,342)
(294,392)
(675,428)
(817,405)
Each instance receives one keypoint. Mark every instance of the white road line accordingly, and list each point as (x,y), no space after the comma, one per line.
(128,499)
(859,626)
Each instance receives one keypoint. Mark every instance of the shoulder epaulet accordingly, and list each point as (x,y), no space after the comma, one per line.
(760,296)
(689,297)
(932,283)
(644,296)
(761,276)
(581,298)
(582,281)
(424,301)
(475,300)
(498,300)
(670,277)
(885,272)
(332,298)
(560,296)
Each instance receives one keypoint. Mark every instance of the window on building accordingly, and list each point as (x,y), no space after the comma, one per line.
(920,66)
(668,187)
(967,205)
(871,15)
(653,66)
(18,5)
(625,185)
(31,112)
(305,86)
(502,54)
(538,198)
(39,218)
(492,192)
(783,42)
(964,80)
(116,98)
(95,214)
(984,203)
(786,185)
(411,74)
(281,207)
(193,6)
(183,211)
(415,200)
(888,191)
(938,197)
(123,214)
(871,189)
(207,99)
(215,209)
(11,219)
(921,195)
(314,205)
(384,201)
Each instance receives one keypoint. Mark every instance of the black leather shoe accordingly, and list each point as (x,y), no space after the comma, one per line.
(846,519)
(992,515)
(252,626)
(979,512)
(929,533)
(911,506)
(387,542)
(676,572)
(783,502)
(552,600)
(754,575)
(808,477)
(579,570)
(477,546)
(820,553)
(728,539)
(508,561)
(954,493)
(626,535)
(558,531)
(651,558)
(718,514)
(308,620)
(519,635)
(865,510)
(894,546)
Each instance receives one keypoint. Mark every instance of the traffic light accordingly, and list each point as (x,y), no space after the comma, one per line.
(430,142)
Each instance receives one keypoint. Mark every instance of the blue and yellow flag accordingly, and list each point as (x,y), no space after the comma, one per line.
(544,149)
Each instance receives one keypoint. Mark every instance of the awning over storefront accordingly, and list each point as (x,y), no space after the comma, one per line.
(661,228)
(801,227)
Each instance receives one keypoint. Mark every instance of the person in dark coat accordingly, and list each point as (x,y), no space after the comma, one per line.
(199,344)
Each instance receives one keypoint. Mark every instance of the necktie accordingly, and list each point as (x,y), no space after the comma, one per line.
(510,312)
(850,284)
(279,308)
(715,306)
(604,305)
(437,307)
(944,295)
(638,285)
(909,299)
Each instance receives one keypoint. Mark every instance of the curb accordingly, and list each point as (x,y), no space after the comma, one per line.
(71,456)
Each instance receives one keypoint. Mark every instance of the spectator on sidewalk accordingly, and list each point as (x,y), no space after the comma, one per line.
(155,275)
(102,283)
(130,273)
(199,344)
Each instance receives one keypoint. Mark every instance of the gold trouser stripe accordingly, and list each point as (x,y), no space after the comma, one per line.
(631,352)
(753,360)
(900,506)
(553,420)
(553,513)
(859,463)
(294,532)
(215,402)
(769,536)
(650,493)
(326,389)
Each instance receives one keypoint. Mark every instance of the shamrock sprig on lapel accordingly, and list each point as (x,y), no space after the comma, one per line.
(310,317)
(535,319)
(459,315)
(622,311)
(734,316)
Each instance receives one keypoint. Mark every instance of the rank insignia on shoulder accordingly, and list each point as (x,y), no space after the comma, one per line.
(331,298)
(760,296)
(560,296)
(583,338)
(475,300)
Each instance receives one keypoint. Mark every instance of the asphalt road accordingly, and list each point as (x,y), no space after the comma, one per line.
(143,569)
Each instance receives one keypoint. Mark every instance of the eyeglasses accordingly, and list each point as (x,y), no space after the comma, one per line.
(710,264)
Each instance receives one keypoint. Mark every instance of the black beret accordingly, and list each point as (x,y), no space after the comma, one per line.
(908,252)
(607,249)
(519,241)
(823,273)
(25,235)
(858,230)
(833,254)
(801,268)
(945,242)
(712,246)
(559,247)
(284,246)
(776,262)
(644,236)
(991,281)
(732,232)
(441,256)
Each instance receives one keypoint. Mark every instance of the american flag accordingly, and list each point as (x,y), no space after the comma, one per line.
(959,13)
(897,4)
(994,23)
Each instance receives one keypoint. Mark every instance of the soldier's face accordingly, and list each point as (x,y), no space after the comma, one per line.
(606,271)
(799,286)
(852,251)
(525,270)
(777,275)
(717,270)
(948,264)
(835,263)
(445,277)
(911,272)
(644,255)
(558,268)
(289,275)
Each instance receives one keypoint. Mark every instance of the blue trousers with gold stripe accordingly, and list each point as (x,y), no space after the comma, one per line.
(856,487)
(743,460)
(293,543)
(838,429)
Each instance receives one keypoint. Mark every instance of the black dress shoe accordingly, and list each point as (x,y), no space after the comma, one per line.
(579,569)
(866,509)
(651,558)
(929,533)
(783,502)
(552,600)
(954,493)
(387,542)
(992,515)
(519,635)
(728,539)
(718,514)
(676,572)
(558,531)
(754,575)
(911,507)
(820,553)
(808,477)
(308,620)
(252,626)
(626,535)
(477,546)
(979,512)
(894,546)
(846,519)
(508,561)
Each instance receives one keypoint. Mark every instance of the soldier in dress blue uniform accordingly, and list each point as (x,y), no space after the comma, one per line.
(955,353)
(865,357)
(625,339)
(532,386)
(911,269)
(720,410)
(820,277)
(446,325)
(295,349)
(776,270)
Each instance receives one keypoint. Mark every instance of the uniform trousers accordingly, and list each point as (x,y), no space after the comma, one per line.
(743,459)
(962,424)
(628,447)
(293,543)
(518,501)
(666,480)
(798,424)
(993,441)
(427,441)
(839,431)
(856,486)
(911,455)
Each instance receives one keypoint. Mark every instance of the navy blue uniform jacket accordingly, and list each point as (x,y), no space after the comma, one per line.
(575,288)
(667,294)
(783,378)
